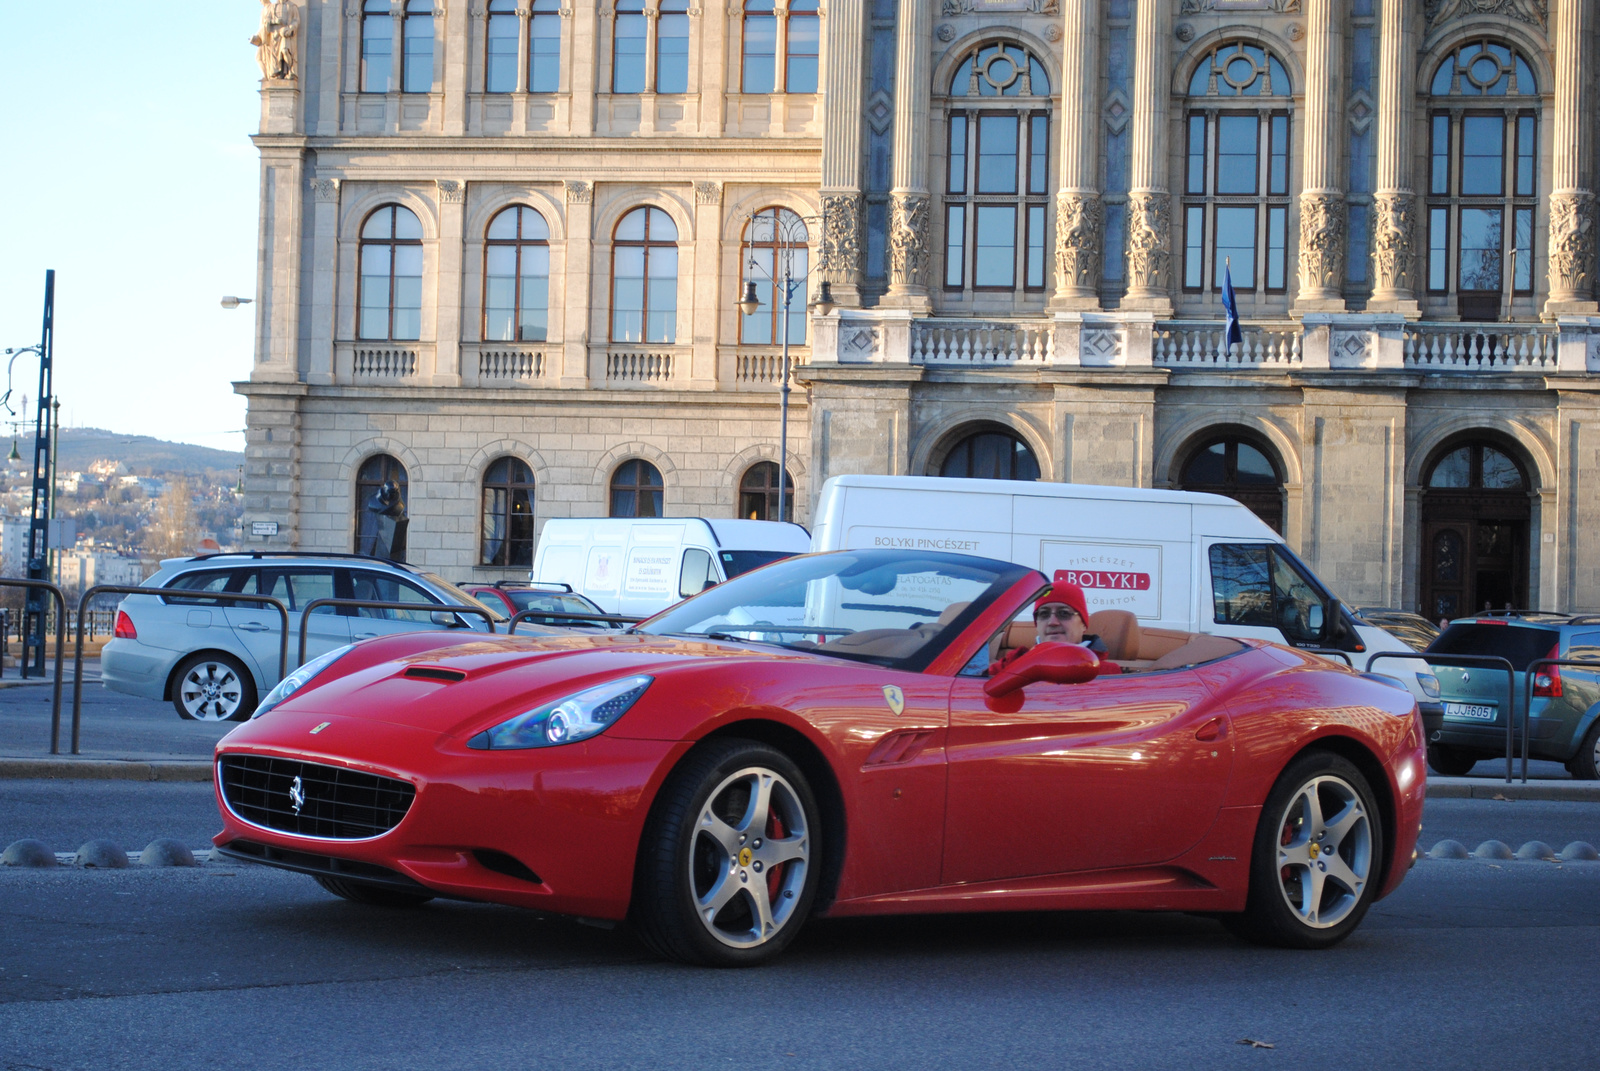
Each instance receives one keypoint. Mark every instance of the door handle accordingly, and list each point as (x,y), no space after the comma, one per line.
(254,626)
(365,635)
(1214,729)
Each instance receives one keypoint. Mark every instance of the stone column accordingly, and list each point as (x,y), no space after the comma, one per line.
(278,277)
(1078,210)
(710,77)
(1149,202)
(1394,211)
(574,371)
(1322,209)
(1572,203)
(842,206)
(708,283)
(456,26)
(909,204)
(447,291)
(324,265)
(583,70)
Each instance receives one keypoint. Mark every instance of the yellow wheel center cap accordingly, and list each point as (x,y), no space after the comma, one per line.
(1316,850)
(745,856)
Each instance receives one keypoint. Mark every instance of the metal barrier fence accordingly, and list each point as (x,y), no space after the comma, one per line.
(198,598)
(61,644)
(101,621)
(1329,652)
(373,604)
(554,619)
(1527,695)
(1493,662)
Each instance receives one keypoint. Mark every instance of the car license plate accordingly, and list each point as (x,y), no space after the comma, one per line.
(1475,711)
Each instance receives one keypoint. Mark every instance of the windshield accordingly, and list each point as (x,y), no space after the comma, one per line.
(888,607)
(535,600)
(460,596)
(1517,645)
(735,562)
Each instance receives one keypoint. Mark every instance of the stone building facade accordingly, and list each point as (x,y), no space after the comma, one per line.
(503,245)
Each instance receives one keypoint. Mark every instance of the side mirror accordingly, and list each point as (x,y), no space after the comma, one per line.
(1057,663)
(445,619)
(1314,618)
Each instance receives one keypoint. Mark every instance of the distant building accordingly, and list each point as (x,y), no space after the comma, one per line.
(13,545)
(91,563)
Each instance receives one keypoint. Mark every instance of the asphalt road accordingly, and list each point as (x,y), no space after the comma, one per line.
(113,726)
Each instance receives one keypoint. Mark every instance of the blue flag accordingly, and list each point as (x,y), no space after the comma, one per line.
(1230,305)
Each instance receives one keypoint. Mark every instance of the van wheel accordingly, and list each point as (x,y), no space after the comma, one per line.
(1447,761)
(213,687)
(1585,765)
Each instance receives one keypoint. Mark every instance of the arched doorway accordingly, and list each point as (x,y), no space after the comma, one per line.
(1475,511)
(989,452)
(1243,469)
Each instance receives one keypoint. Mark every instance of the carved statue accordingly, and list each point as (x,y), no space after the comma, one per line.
(1077,239)
(1148,235)
(841,237)
(274,42)
(908,240)
(1531,11)
(1572,242)
(1321,241)
(1391,241)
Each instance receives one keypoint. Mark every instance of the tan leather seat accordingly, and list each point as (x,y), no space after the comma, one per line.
(951,612)
(1119,631)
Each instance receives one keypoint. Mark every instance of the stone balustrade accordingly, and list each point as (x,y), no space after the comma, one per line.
(982,343)
(1467,347)
(508,364)
(1200,344)
(652,367)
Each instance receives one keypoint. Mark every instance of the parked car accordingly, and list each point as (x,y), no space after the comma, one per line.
(1564,723)
(211,658)
(825,735)
(512,597)
(1414,630)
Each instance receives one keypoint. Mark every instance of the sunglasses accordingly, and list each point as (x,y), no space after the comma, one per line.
(1060,613)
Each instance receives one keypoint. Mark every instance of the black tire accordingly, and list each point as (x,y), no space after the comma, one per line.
(371,895)
(1448,761)
(745,861)
(1356,838)
(1585,765)
(213,687)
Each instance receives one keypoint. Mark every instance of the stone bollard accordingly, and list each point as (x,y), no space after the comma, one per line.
(102,853)
(1449,849)
(27,853)
(1536,849)
(1580,851)
(164,851)
(1494,849)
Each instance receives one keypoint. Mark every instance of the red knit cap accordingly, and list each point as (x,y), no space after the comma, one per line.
(1064,591)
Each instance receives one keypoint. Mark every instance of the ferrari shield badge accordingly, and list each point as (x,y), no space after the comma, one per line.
(895,698)
(321,727)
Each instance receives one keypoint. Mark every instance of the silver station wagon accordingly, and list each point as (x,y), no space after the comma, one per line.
(214,659)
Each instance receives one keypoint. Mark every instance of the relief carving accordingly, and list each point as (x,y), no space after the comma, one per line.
(1321,241)
(451,192)
(274,41)
(1392,250)
(908,239)
(1530,11)
(708,193)
(841,237)
(325,191)
(1196,7)
(1572,242)
(952,8)
(1078,239)
(579,193)
(1149,237)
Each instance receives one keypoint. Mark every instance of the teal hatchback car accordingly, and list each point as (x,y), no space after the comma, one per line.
(1564,717)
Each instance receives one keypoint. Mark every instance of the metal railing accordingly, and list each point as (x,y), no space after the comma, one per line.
(61,643)
(373,604)
(183,599)
(1492,662)
(1527,695)
(1329,652)
(555,618)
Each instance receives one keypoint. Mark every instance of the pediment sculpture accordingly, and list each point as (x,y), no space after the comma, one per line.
(280,21)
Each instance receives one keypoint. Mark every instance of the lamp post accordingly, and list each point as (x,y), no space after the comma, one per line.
(789,232)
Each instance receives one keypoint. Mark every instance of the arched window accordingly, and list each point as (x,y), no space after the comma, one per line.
(636,490)
(377,47)
(758,493)
(500,49)
(760,50)
(991,454)
(1241,470)
(998,173)
(417,76)
(1476,513)
(508,513)
(672,47)
(802,45)
(391,275)
(629,34)
(380,480)
(1483,177)
(1477,465)
(774,243)
(1236,175)
(544,46)
(516,277)
(644,278)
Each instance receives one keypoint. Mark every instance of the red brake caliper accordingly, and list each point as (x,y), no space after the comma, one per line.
(775,831)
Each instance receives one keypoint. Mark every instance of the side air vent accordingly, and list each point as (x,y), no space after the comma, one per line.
(509,865)
(433,673)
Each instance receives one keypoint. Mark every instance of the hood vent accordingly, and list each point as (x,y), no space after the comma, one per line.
(433,673)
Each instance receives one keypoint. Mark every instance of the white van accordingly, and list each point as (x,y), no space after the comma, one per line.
(640,566)
(1176,559)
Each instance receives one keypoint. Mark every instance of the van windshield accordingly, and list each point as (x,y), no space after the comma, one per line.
(735,562)
(888,607)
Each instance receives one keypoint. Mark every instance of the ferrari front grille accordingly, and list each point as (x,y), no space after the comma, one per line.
(309,799)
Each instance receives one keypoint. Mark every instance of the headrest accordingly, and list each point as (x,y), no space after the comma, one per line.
(952,612)
(1119,631)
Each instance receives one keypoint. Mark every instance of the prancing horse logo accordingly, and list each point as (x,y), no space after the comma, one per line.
(895,698)
(297,795)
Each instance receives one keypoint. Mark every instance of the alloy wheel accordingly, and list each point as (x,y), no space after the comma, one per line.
(211,691)
(1324,851)
(749,857)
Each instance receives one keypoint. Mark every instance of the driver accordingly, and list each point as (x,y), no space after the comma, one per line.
(1061,615)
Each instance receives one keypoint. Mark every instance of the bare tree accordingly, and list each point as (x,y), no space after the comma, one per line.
(172,531)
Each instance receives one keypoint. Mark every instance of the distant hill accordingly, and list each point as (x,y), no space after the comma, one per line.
(142,454)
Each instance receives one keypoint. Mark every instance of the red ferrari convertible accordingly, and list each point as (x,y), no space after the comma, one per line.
(826,736)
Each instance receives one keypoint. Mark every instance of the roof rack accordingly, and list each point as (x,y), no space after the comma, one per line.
(259,554)
(507,585)
(1584,619)
(1520,613)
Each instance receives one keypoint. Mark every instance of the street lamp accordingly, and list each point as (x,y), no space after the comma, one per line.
(231,302)
(789,231)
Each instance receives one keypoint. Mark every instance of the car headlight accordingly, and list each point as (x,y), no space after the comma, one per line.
(299,679)
(1430,685)
(566,721)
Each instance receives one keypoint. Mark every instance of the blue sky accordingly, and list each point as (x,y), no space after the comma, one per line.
(126,165)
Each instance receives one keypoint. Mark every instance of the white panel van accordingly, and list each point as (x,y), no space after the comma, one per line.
(640,566)
(1176,559)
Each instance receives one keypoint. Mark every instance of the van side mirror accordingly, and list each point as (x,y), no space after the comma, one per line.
(1056,663)
(1315,619)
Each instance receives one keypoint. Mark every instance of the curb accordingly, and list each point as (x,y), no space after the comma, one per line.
(107,769)
(1476,788)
